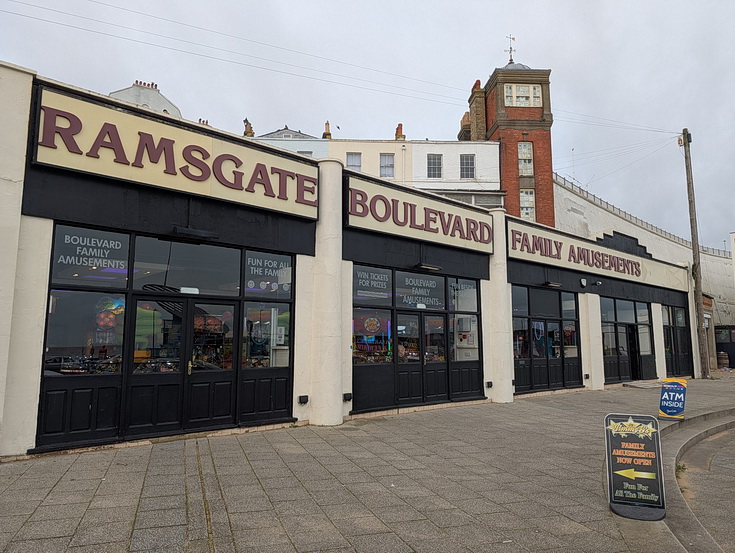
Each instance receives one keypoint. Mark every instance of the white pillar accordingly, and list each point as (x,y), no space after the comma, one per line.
(25,355)
(15,90)
(590,336)
(657,325)
(497,319)
(328,358)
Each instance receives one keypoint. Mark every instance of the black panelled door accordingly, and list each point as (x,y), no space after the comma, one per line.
(422,358)
(181,365)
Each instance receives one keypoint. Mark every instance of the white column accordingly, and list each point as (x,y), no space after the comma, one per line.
(328,358)
(15,90)
(497,319)
(590,336)
(657,325)
(25,355)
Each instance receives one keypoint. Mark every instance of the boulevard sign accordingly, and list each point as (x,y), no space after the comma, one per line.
(634,475)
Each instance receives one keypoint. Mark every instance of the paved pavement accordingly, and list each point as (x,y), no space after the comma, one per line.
(527,476)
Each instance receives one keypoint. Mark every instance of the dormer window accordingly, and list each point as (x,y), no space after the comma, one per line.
(523,95)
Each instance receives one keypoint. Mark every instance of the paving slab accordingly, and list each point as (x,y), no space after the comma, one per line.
(522,477)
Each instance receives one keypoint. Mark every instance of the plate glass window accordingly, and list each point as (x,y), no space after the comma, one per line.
(84,334)
(266,335)
(387,165)
(88,257)
(268,275)
(434,166)
(467,166)
(166,266)
(372,341)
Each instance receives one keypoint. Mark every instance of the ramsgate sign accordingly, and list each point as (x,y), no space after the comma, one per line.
(386,209)
(93,138)
(530,243)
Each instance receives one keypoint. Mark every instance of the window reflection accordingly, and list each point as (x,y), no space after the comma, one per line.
(157,338)
(165,266)
(212,337)
(266,335)
(371,336)
(407,336)
(85,333)
(434,340)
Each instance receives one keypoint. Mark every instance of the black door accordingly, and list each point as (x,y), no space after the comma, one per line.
(181,366)
(421,368)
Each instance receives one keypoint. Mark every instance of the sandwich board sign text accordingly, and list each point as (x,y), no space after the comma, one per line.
(634,475)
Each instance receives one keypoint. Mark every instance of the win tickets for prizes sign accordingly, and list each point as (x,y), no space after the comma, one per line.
(673,399)
(634,475)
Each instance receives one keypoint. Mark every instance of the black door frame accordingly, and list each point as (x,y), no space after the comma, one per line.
(185,378)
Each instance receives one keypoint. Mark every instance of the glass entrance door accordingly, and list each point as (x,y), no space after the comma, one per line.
(181,374)
(421,358)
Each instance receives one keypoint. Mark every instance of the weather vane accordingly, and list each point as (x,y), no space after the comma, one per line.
(510,49)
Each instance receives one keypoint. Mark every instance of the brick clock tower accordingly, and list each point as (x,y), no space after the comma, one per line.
(514,109)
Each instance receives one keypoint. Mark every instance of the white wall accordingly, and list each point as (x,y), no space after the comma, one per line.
(487,165)
(580,213)
(15,91)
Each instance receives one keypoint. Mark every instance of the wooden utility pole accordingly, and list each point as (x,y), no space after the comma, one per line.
(696,264)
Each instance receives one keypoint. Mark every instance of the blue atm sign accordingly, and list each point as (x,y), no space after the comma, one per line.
(673,399)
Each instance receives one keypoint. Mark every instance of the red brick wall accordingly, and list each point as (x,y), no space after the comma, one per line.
(490,108)
(542,167)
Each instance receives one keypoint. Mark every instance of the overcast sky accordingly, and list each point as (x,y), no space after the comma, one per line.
(626,76)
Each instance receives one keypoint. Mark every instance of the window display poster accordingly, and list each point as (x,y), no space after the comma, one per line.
(90,257)
(419,291)
(268,275)
(371,286)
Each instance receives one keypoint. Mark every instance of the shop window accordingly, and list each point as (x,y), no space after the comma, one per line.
(408,339)
(268,275)
(520,300)
(434,339)
(266,335)
(680,316)
(626,312)
(464,340)
(166,266)
(466,166)
(158,330)
(545,303)
(87,257)
(372,340)
(387,165)
(609,346)
(722,336)
(372,286)
(607,309)
(462,294)
(568,305)
(520,338)
(641,313)
(419,291)
(434,166)
(84,334)
(644,340)
(666,315)
(571,347)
